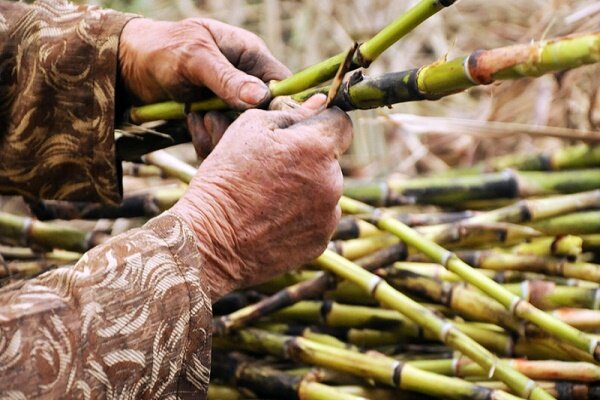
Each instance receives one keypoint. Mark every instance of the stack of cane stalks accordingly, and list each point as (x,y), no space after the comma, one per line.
(481,283)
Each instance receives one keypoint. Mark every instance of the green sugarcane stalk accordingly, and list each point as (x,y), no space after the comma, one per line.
(381,369)
(377,327)
(532,209)
(591,242)
(436,271)
(354,228)
(27,269)
(139,205)
(449,191)
(459,235)
(561,390)
(549,295)
(221,392)
(380,393)
(519,307)
(311,76)
(498,261)
(26,253)
(269,382)
(141,170)
(301,291)
(27,231)
(560,246)
(580,223)
(462,367)
(443,328)
(568,157)
(465,301)
(482,67)
(499,342)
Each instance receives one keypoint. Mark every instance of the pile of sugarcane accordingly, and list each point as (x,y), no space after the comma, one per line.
(471,285)
(481,283)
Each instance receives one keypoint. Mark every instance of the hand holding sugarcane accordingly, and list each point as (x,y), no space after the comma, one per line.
(186,60)
(265,200)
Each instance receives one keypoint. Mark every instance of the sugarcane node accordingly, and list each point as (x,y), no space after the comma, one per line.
(529,388)
(397,373)
(361,60)
(338,80)
(446,293)
(525,211)
(412,85)
(597,353)
(374,284)
(325,310)
(344,97)
(554,246)
(545,162)
(446,3)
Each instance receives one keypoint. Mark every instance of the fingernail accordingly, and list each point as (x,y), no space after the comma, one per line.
(315,102)
(254,93)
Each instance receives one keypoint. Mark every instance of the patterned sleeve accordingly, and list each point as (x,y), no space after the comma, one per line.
(131,320)
(58,70)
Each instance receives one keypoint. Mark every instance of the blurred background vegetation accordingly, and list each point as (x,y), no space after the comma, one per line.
(303,32)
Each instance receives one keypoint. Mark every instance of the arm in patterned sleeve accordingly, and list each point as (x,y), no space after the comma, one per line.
(58,68)
(131,320)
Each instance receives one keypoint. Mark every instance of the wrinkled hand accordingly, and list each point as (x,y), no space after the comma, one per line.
(265,200)
(162,60)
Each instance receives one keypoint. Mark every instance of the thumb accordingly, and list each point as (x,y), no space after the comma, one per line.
(239,90)
(295,112)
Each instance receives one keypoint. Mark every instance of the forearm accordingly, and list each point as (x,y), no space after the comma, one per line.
(58,70)
(131,318)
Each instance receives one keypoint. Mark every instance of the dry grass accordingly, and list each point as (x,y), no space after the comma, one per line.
(302,32)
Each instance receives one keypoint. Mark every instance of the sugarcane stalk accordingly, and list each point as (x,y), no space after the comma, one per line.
(26,253)
(436,271)
(301,291)
(508,184)
(27,231)
(561,390)
(482,67)
(221,392)
(567,157)
(459,235)
(499,342)
(569,246)
(467,302)
(462,367)
(579,223)
(581,318)
(27,269)
(377,327)
(311,76)
(383,369)
(499,261)
(354,228)
(141,170)
(270,382)
(138,205)
(443,328)
(519,307)
(549,295)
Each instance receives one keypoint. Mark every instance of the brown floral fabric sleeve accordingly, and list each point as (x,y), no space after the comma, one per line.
(132,320)
(58,68)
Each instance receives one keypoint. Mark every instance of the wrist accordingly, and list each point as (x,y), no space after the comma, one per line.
(204,210)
